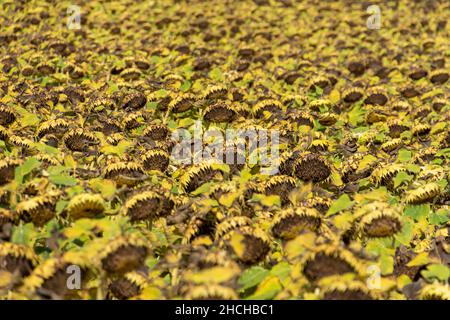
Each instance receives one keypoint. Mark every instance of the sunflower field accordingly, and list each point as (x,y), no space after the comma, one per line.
(95,204)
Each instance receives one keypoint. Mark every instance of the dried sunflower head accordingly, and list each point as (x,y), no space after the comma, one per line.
(147,205)
(7,115)
(182,103)
(157,131)
(85,205)
(17,258)
(39,209)
(198,175)
(289,223)
(435,291)
(423,194)
(125,173)
(57,127)
(79,140)
(376,96)
(352,94)
(219,112)
(124,254)
(249,244)
(50,279)
(329,260)
(156,160)
(128,286)
(7,169)
(215,92)
(379,220)
(311,167)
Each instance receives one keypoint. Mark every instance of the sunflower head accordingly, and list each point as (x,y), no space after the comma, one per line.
(85,205)
(289,223)
(182,103)
(352,94)
(379,220)
(125,173)
(7,169)
(156,159)
(17,258)
(198,175)
(376,96)
(156,132)
(124,254)
(7,115)
(435,291)
(147,205)
(216,92)
(128,286)
(219,112)
(249,244)
(329,260)
(423,194)
(79,140)
(39,209)
(311,167)
(51,278)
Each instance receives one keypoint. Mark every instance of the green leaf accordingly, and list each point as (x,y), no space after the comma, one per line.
(436,271)
(356,115)
(417,211)
(266,289)
(29,165)
(404,155)
(185,86)
(63,180)
(251,277)
(342,203)
(282,270)
(24,234)
(202,189)
(407,232)
(419,260)
(268,201)
(60,206)
(401,177)
(439,217)
(216,74)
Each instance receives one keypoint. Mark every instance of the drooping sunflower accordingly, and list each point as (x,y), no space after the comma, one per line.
(125,173)
(51,279)
(17,258)
(124,254)
(156,159)
(85,205)
(289,223)
(330,260)
(128,286)
(147,205)
(39,209)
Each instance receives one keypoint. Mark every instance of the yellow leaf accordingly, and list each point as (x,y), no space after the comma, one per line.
(297,246)
(419,260)
(211,275)
(106,187)
(366,161)
(267,289)
(150,293)
(237,243)
(228,199)
(335,96)
(69,161)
